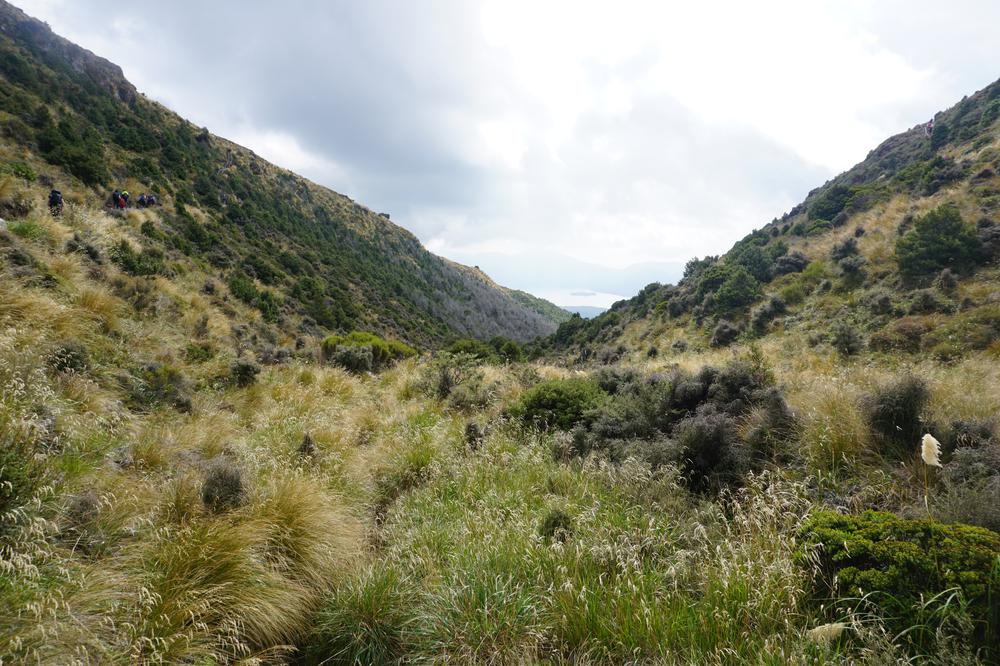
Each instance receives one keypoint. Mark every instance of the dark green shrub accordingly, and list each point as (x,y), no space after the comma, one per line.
(198,353)
(222,488)
(739,289)
(475,348)
(946,282)
(763,315)
(353,358)
(925,301)
(901,563)
(905,334)
(724,333)
(709,448)
(559,403)
(845,248)
(475,434)
(940,239)
(383,352)
(794,262)
(845,339)
(243,372)
(556,524)
(147,262)
(70,357)
(510,352)
(894,414)
(829,203)
(158,384)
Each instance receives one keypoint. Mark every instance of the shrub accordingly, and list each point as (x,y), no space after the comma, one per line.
(764,314)
(222,488)
(852,268)
(383,352)
(147,262)
(740,288)
(845,248)
(158,384)
(794,262)
(243,372)
(894,414)
(946,282)
(559,403)
(925,301)
(845,339)
(829,203)
(353,358)
(940,239)
(556,524)
(905,334)
(879,302)
(903,563)
(724,333)
(70,357)
(708,445)
(475,348)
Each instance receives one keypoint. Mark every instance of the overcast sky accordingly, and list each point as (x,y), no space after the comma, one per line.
(564,147)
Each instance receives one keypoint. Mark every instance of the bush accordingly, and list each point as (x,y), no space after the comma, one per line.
(724,334)
(243,372)
(559,403)
(739,289)
(925,301)
(894,414)
(556,524)
(357,359)
(902,564)
(904,334)
(845,339)
(70,357)
(940,239)
(794,262)
(946,282)
(147,262)
(159,384)
(764,314)
(222,488)
(383,352)
(708,445)
(827,205)
(845,248)
(476,348)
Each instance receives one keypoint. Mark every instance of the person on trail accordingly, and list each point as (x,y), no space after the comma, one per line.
(125,199)
(151,200)
(141,200)
(115,196)
(55,202)
(929,127)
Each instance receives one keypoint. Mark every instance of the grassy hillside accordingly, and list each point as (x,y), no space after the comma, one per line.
(850,267)
(308,258)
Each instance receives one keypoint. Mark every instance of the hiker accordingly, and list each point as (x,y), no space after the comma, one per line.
(141,201)
(114,198)
(55,202)
(125,199)
(929,127)
(151,200)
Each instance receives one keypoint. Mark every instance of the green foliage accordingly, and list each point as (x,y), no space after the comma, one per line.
(243,288)
(243,372)
(559,403)
(384,352)
(222,488)
(900,564)
(829,203)
(158,384)
(475,348)
(940,239)
(739,289)
(147,262)
(894,414)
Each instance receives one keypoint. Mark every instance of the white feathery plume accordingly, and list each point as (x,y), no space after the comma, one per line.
(930,450)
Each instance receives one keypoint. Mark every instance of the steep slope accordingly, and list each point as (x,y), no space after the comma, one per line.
(852,266)
(308,258)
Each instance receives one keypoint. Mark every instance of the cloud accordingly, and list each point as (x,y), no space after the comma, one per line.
(512,134)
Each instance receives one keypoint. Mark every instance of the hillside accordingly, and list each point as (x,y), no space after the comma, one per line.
(308,258)
(830,270)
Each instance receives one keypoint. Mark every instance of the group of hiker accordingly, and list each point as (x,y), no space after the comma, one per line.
(121,199)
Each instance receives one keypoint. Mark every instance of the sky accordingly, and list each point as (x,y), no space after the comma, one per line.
(577,150)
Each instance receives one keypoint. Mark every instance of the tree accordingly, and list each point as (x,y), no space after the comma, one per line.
(940,239)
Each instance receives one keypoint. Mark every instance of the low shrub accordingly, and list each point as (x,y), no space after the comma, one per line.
(556,524)
(940,239)
(925,301)
(147,262)
(243,372)
(158,384)
(793,262)
(845,339)
(383,352)
(710,449)
(724,333)
(559,403)
(222,488)
(901,564)
(894,414)
(845,248)
(70,357)
(763,315)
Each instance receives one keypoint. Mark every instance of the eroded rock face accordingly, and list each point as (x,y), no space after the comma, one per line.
(40,38)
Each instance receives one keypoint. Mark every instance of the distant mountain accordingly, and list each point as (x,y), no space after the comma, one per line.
(857,265)
(585,311)
(308,258)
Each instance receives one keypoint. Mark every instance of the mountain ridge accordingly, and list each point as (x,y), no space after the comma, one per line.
(345,266)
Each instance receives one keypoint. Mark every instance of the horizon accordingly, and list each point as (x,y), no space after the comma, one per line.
(598,162)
